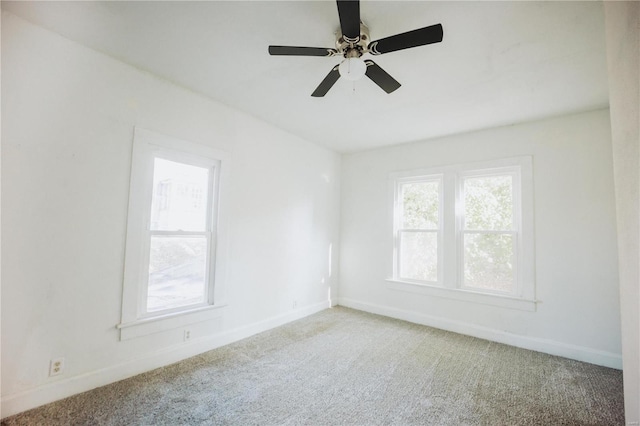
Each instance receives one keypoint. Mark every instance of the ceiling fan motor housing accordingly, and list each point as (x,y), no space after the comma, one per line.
(353,49)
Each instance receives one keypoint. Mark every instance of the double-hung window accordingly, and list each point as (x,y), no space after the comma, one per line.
(180,234)
(488,230)
(418,229)
(465,229)
(171,249)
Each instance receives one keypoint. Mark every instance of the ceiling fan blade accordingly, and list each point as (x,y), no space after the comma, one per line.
(415,38)
(349,13)
(301,51)
(380,77)
(327,83)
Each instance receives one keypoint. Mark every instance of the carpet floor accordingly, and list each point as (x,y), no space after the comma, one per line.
(346,367)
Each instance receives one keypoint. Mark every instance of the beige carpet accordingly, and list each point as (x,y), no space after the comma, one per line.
(345,367)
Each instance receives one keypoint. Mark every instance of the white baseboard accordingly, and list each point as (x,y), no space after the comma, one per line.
(19,402)
(579,353)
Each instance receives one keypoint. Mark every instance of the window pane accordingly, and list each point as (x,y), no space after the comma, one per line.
(180,193)
(488,261)
(420,205)
(177,271)
(488,203)
(419,256)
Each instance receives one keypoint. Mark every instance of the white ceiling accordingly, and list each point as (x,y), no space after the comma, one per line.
(499,63)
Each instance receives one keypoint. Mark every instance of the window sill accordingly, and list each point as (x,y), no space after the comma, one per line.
(146,326)
(464,295)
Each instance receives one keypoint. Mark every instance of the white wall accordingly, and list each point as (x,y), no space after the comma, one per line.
(623,57)
(68,115)
(575,237)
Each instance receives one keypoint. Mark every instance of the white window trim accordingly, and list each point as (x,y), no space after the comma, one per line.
(146,146)
(523,297)
(470,296)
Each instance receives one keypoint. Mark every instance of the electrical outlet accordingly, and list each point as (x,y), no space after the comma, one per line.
(187,335)
(295,304)
(56,367)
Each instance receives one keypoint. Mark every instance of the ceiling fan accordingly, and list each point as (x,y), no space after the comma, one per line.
(353,41)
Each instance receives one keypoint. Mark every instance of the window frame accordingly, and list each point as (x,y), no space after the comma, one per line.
(452,285)
(136,320)
(398,229)
(213,166)
(515,231)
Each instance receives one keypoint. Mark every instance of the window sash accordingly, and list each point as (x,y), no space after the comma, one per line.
(399,218)
(158,152)
(462,261)
(515,231)
(143,299)
(399,258)
(516,196)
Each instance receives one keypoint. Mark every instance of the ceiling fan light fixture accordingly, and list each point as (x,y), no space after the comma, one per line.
(352,69)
